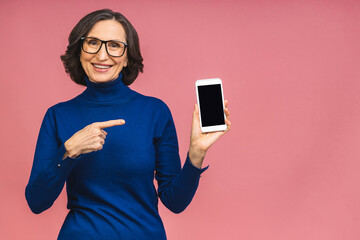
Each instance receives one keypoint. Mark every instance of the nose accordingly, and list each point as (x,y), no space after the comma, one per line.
(102,54)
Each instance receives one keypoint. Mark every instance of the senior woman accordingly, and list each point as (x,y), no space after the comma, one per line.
(109,173)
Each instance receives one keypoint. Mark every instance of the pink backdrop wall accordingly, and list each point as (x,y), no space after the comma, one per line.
(289,167)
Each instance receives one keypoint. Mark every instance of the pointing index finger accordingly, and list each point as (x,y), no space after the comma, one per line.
(110,123)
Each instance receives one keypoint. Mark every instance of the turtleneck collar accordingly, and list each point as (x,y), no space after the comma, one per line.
(103,92)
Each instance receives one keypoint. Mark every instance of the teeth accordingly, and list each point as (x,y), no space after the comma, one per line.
(101,66)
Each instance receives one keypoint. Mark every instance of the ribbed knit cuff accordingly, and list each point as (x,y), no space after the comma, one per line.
(68,162)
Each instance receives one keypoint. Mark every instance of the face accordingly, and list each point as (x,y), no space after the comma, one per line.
(101,67)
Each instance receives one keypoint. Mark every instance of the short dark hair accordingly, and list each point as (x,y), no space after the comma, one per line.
(71,59)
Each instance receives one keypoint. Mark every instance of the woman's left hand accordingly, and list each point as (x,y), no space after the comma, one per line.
(200,142)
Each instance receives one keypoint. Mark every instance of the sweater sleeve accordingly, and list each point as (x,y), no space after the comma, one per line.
(176,186)
(49,170)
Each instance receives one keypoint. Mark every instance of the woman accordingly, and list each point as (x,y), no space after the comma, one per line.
(109,185)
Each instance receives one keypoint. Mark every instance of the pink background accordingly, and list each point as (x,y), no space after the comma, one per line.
(289,167)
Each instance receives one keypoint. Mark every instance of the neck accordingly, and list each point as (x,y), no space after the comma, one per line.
(102,92)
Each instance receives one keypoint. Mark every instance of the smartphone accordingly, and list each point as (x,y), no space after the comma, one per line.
(209,93)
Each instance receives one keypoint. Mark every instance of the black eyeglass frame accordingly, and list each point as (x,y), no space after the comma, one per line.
(102,42)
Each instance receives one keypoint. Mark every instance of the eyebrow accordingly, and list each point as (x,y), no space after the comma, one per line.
(106,40)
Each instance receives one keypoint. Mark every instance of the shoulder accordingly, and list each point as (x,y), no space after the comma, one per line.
(53,112)
(64,106)
(158,115)
(152,103)
(153,108)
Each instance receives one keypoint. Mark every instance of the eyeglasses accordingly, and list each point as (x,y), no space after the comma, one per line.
(93,45)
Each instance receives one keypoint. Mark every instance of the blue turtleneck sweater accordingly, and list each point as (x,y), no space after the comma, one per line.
(111,192)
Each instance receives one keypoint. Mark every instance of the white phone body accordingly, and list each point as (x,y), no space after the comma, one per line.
(210,98)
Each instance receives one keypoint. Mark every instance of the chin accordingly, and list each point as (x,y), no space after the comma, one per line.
(102,79)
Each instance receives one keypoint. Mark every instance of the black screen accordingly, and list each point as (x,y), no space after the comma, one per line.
(211,105)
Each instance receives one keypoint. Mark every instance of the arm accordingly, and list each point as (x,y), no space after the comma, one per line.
(177,186)
(54,161)
(49,171)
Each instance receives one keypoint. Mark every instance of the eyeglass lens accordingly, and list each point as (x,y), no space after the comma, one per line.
(93,45)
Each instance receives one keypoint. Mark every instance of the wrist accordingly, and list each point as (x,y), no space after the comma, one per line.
(196,156)
(70,152)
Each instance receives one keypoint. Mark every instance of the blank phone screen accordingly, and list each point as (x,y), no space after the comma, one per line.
(211,105)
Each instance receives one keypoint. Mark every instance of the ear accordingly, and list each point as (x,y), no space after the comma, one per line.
(126,62)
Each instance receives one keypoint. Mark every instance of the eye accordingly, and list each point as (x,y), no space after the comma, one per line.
(114,45)
(93,42)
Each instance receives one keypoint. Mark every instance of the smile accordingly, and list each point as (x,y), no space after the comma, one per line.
(101,66)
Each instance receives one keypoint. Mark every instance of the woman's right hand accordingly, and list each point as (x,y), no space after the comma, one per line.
(89,139)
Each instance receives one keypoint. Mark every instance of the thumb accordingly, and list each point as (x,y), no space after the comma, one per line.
(196,111)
